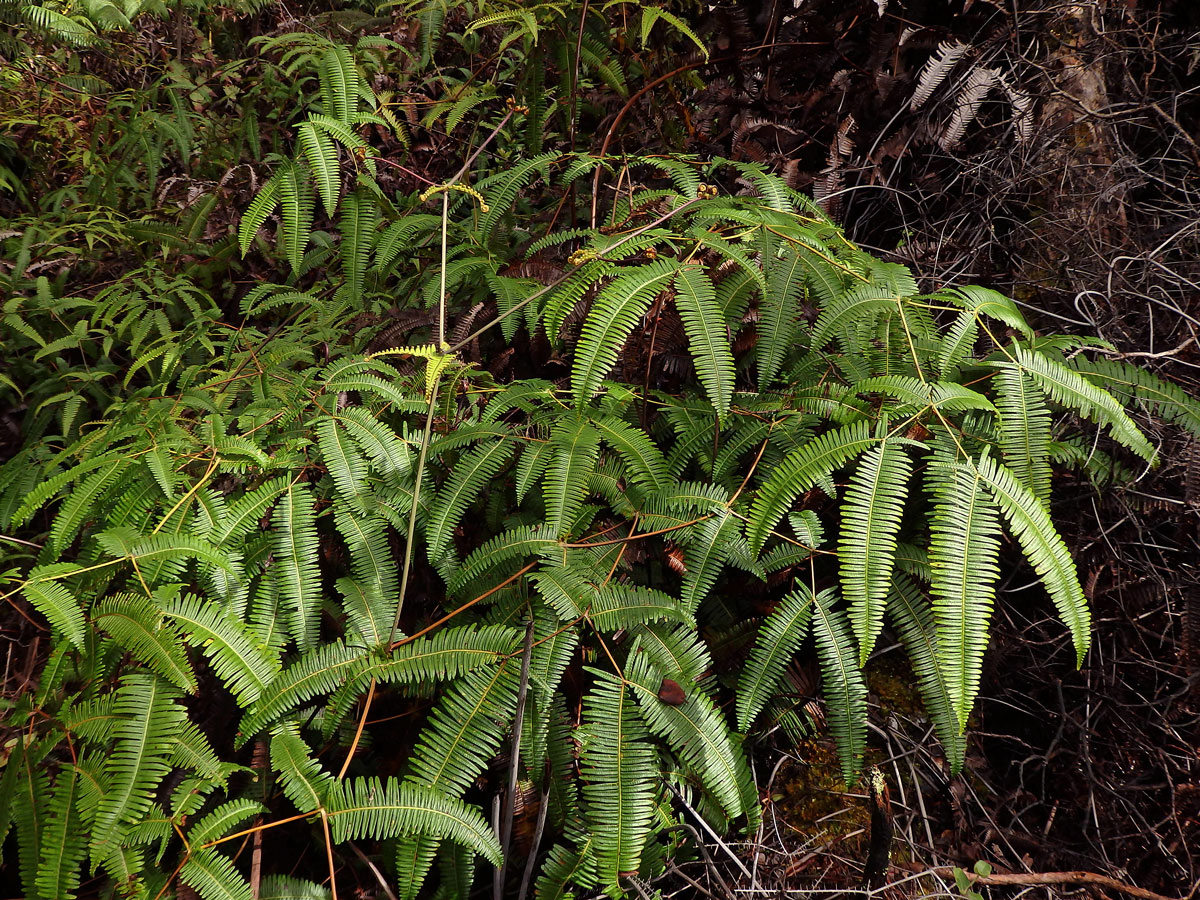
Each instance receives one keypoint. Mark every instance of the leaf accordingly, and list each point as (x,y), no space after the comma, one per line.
(964,549)
(574,448)
(871,517)
(696,301)
(469,478)
(296,543)
(1043,547)
(844,688)
(613,315)
(799,471)
(618,771)
(779,637)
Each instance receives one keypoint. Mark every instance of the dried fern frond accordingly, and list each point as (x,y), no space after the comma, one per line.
(935,70)
(966,105)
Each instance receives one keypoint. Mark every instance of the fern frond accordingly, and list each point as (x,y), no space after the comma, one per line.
(213,876)
(375,573)
(935,70)
(800,470)
(1044,548)
(696,301)
(618,772)
(617,606)
(461,736)
(964,548)
(574,448)
(614,313)
(1072,391)
(467,480)
(340,83)
(318,150)
(302,778)
(779,637)
(698,734)
(1128,383)
(986,302)
(245,669)
(224,819)
(708,547)
(378,809)
(645,464)
(1024,431)
(866,552)
(780,309)
(296,544)
(148,717)
(136,624)
(63,841)
(913,618)
(320,671)
(56,602)
(512,546)
(842,682)
(676,649)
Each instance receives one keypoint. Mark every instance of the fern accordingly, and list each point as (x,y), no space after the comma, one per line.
(845,689)
(964,551)
(613,316)
(870,523)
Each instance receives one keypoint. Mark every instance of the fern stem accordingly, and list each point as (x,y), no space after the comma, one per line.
(514,762)
(411,530)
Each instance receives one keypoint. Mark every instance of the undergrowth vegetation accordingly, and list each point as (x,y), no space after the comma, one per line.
(431,489)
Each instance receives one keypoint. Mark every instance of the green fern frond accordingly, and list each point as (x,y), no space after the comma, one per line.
(842,682)
(779,637)
(54,600)
(467,480)
(514,545)
(81,502)
(707,548)
(1043,547)
(645,464)
(696,301)
(574,449)
(378,809)
(296,544)
(800,470)
(871,517)
(148,717)
(224,819)
(964,549)
(213,876)
(318,150)
(63,841)
(385,452)
(340,83)
(780,310)
(618,605)
(984,301)
(136,624)
(302,778)
(618,772)
(1129,383)
(245,669)
(375,572)
(1072,391)
(1024,431)
(460,736)
(614,313)
(697,732)
(320,671)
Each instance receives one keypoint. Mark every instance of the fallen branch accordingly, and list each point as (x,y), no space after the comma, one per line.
(1037,878)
